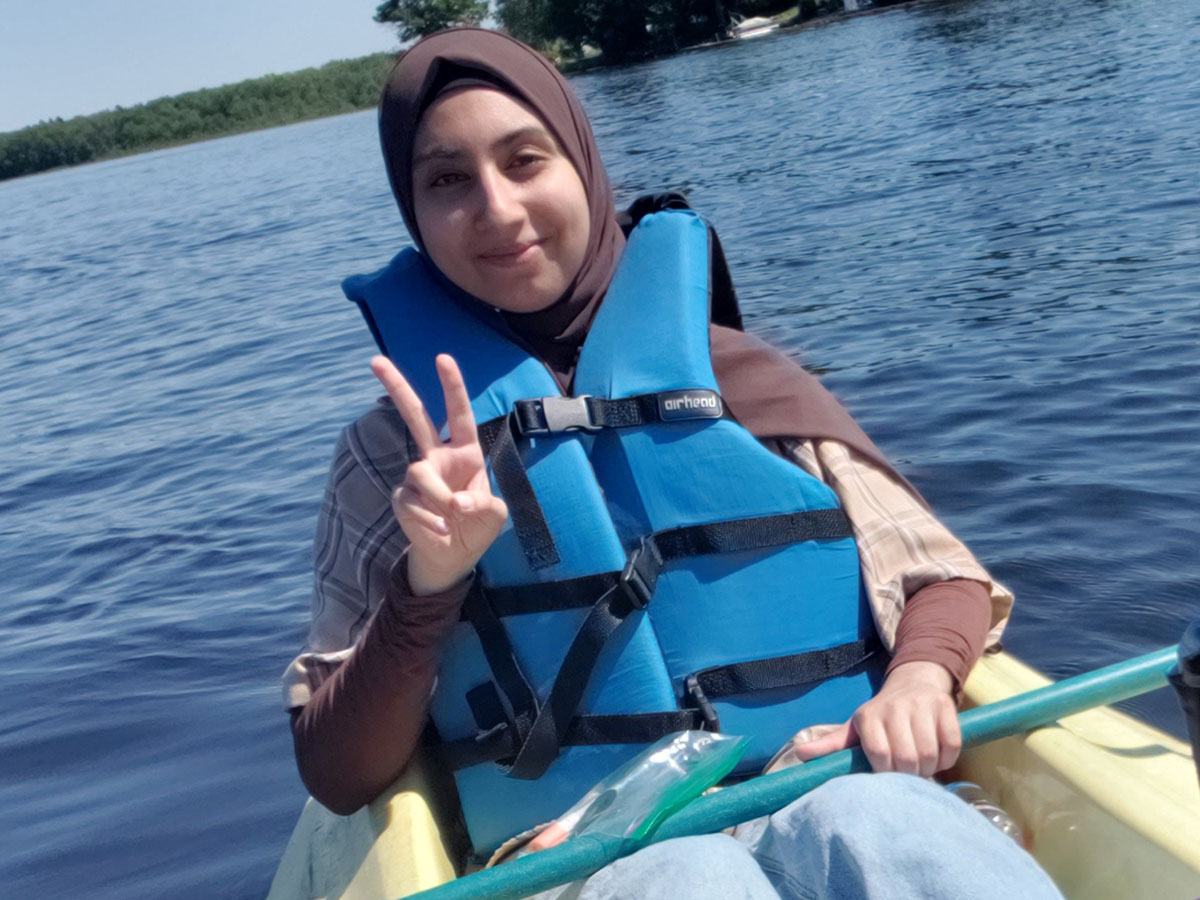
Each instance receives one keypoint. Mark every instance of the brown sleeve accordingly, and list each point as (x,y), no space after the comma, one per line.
(360,728)
(946,623)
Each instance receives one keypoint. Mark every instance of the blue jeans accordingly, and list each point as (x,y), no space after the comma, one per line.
(859,837)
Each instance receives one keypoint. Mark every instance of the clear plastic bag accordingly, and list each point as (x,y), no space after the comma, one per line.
(633,800)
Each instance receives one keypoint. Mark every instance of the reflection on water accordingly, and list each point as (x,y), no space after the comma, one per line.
(976,218)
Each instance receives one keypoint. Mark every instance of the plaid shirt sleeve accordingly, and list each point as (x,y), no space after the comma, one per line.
(357,543)
(902,546)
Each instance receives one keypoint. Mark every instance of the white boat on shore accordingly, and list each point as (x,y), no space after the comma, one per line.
(755,26)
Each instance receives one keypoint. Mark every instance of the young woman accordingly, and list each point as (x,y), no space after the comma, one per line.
(504,590)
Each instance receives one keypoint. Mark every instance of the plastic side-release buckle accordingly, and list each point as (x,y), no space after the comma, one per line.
(695,693)
(564,414)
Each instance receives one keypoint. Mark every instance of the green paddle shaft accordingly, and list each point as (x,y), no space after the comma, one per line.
(581,856)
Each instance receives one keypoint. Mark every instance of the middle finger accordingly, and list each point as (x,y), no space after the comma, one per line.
(458,403)
(905,757)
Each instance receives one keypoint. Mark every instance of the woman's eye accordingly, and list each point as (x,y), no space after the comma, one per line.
(525,160)
(446,179)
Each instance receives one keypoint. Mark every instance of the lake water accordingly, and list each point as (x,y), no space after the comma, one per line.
(979,219)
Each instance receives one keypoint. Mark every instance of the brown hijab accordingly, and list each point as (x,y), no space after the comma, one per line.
(768,393)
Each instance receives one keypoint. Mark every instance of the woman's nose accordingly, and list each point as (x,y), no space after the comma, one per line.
(498,201)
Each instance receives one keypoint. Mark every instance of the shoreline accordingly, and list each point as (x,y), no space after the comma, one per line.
(37,138)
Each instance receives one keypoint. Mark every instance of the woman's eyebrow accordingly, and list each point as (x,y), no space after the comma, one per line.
(525,132)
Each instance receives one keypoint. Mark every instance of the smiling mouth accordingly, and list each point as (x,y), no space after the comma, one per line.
(509,256)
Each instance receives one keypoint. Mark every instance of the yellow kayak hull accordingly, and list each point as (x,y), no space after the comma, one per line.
(390,849)
(1109,805)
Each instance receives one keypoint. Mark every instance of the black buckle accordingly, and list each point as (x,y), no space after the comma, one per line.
(637,580)
(712,722)
(560,414)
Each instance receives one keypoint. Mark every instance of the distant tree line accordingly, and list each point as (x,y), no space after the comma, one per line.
(621,30)
(565,30)
(337,87)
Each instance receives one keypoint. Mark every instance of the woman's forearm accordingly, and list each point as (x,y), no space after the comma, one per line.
(359,730)
(945,623)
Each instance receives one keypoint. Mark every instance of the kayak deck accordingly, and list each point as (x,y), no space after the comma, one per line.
(1110,807)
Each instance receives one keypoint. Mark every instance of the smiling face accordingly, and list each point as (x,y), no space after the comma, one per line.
(501,210)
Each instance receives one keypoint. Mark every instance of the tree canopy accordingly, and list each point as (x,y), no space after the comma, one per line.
(621,29)
(417,18)
(624,30)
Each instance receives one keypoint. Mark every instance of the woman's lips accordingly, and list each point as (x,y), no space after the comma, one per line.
(511,256)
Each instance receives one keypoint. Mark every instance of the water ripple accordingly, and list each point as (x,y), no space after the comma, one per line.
(975,219)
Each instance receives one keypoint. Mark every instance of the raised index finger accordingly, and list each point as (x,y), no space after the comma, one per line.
(412,410)
(458,403)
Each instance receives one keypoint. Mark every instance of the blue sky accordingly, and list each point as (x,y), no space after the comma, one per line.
(67,59)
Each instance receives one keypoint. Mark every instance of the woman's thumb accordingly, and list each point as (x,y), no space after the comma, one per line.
(821,740)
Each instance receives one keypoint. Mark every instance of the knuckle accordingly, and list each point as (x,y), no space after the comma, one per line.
(880,762)
(878,753)
(905,761)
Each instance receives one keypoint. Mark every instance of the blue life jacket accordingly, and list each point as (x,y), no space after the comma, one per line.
(660,569)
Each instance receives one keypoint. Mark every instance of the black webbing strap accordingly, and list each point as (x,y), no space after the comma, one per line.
(641,572)
(785,671)
(754,533)
(554,718)
(634,728)
(498,651)
(487,746)
(555,415)
(629,590)
(529,522)
(733,535)
(572,593)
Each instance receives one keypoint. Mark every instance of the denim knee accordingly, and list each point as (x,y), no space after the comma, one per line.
(680,859)
(846,800)
(896,836)
(699,867)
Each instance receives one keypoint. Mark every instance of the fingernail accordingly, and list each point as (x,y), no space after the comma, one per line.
(464,501)
(441,527)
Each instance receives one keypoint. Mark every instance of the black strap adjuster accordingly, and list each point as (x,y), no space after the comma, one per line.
(695,694)
(640,575)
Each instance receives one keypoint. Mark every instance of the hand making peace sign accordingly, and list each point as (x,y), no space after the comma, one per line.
(445,506)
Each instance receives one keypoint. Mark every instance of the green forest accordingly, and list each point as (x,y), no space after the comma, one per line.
(567,31)
(337,87)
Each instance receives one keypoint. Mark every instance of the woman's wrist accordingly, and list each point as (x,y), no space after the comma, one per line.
(425,579)
(922,672)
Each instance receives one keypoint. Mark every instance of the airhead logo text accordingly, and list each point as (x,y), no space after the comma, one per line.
(693,404)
